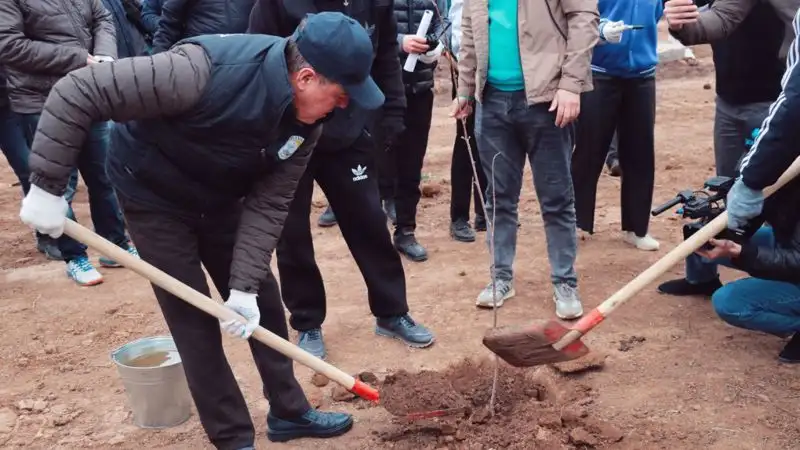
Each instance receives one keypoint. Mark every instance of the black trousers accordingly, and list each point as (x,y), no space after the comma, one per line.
(461,176)
(352,191)
(402,172)
(629,106)
(181,245)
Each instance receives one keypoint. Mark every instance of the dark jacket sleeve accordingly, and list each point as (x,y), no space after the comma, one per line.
(170,27)
(716,23)
(386,68)
(264,214)
(103,31)
(151,15)
(775,148)
(20,52)
(129,89)
(265,18)
(772,263)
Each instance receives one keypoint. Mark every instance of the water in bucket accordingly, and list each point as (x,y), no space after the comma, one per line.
(155,384)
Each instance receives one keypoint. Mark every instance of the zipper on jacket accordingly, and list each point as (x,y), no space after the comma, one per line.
(76,26)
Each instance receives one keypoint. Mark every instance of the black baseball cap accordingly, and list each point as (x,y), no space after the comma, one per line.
(340,49)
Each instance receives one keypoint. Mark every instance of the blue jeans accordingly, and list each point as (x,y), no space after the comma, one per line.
(752,303)
(15,147)
(105,210)
(506,127)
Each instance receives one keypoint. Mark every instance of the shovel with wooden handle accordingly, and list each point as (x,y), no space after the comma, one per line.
(547,342)
(216,309)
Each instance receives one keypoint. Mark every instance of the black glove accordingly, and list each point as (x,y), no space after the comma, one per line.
(391,128)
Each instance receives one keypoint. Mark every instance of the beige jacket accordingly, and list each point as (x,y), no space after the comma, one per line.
(556,39)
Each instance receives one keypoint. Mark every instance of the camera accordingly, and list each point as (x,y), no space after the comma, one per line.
(704,205)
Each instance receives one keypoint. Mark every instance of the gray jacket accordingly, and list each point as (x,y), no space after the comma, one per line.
(41,41)
(722,18)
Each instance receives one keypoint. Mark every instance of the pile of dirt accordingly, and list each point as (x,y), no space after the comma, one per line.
(532,410)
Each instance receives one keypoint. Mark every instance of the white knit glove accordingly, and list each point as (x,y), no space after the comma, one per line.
(245,305)
(612,31)
(44,212)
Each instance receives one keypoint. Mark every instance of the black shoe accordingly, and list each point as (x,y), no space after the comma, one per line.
(406,243)
(461,231)
(614,169)
(404,328)
(49,247)
(313,423)
(791,352)
(327,219)
(683,288)
(390,210)
(480,223)
(312,342)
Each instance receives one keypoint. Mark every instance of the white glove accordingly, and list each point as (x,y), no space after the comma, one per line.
(433,55)
(612,31)
(246,305)
(44,212)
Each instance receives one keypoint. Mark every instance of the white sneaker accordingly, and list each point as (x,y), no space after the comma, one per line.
(646,242)
(503,290)
(568,305)
(83,272)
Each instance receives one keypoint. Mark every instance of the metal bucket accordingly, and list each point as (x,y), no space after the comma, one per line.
(152,372)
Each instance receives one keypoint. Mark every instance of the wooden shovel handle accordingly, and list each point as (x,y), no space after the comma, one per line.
(676,255)
(216,309)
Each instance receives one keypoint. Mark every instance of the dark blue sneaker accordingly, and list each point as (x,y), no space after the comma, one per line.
(313,423)
(404,328)
(327,218)
(312,342)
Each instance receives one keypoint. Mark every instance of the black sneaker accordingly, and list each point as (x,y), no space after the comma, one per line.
(312,342)
(791,352)
(480,223)
(461,231)
(49,247)
(614,169)
(327,218)
(313,423)
(404,328)
(406,243)
(682,288)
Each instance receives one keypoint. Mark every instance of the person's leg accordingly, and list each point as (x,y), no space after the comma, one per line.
(14,147)
(483,183)
(503,160)
(411,150)
(549,149)
(461,187)
(729,136)
(105,210)
(593,134)
(63,247)
(288,407)
(637,158)
(702,275)
(363,224)
(171,243)
(300,278)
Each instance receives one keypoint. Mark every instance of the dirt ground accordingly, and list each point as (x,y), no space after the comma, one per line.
(675,376)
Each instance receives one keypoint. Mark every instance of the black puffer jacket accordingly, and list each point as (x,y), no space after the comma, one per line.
(781,263)
(3,89)
(43,40)
(181,19)
(409,15)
